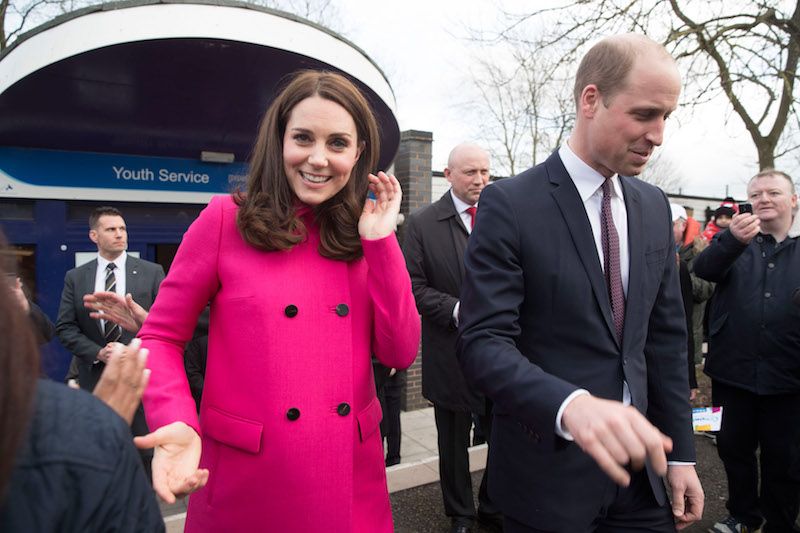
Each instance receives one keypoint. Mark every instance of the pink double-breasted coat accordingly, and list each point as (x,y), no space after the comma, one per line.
(289,418)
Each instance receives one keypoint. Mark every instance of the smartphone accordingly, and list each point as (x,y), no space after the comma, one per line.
(745,208)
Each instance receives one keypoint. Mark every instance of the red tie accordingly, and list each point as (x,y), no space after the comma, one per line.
(471,212)
(609,239)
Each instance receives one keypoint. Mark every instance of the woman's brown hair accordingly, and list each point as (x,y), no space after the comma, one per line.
(267,217)
(19,370)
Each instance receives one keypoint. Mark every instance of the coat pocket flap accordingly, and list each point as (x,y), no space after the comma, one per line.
(369,419)
(232,430)
(655,256)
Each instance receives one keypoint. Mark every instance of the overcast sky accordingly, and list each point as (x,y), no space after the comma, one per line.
(418,44)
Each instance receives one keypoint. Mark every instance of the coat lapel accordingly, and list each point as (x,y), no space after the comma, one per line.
(457,232)
(572,209)
(633,207)
(87,287)
(132,275)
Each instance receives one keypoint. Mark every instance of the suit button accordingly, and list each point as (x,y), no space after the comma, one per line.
(291,311)
(343,409)
(342,310)
(293,414)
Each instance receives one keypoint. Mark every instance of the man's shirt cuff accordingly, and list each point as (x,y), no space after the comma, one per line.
(560,431)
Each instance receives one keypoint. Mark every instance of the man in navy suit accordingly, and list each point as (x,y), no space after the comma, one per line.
(572,321)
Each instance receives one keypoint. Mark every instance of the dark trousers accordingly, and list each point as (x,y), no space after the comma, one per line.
(453,429)
(631,509)
(390,395)
(770,423)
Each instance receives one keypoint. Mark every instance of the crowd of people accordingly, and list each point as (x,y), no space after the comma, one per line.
(560,312)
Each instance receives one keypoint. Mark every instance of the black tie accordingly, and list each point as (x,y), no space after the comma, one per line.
(111,331)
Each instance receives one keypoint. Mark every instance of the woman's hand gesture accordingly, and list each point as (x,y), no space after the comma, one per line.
(379,217)
(175,459)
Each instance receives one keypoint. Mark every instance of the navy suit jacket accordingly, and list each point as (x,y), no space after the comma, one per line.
(536,325)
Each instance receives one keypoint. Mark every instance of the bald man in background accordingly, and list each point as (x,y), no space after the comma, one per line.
(434,244)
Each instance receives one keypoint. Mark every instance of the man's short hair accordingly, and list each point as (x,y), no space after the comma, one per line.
(773,172)
(608,63)
(103,210)
(605,65)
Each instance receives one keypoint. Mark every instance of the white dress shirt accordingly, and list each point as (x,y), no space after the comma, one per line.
(589,183)
(461,209)
(119,274)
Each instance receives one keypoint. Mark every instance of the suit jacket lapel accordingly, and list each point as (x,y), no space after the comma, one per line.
(87,287)
(572,209)
(633,207)
(132,275)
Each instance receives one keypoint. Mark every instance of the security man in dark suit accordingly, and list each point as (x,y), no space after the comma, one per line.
(434,244)
(90,340)
(572,321)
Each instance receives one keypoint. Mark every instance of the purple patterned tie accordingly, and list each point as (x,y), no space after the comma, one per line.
(609,239)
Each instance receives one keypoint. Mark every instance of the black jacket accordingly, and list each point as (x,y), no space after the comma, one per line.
(434,244)
(754,329)
(78,471)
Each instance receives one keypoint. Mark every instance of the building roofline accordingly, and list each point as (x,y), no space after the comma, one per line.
(126,4)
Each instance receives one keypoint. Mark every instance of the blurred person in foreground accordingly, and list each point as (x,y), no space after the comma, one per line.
(572,321)
(67,463)
(305,279)
(754,356)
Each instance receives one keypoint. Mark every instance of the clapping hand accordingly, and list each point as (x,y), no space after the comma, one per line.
(124,378)
(112,307)
(379,217)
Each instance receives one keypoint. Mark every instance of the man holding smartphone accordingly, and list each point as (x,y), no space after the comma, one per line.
(754,356)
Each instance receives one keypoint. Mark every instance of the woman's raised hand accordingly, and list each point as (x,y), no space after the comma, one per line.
(379,217)
(120,310)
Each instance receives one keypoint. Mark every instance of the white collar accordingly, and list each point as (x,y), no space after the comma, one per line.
(120,261)
(586,179)
(460,205)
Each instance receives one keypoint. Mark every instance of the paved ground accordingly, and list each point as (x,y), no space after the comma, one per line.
(416,497)
(419,510)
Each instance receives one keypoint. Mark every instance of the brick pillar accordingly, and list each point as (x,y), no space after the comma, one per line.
(413,170)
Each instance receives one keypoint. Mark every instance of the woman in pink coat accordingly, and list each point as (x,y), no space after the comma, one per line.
(306,280)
